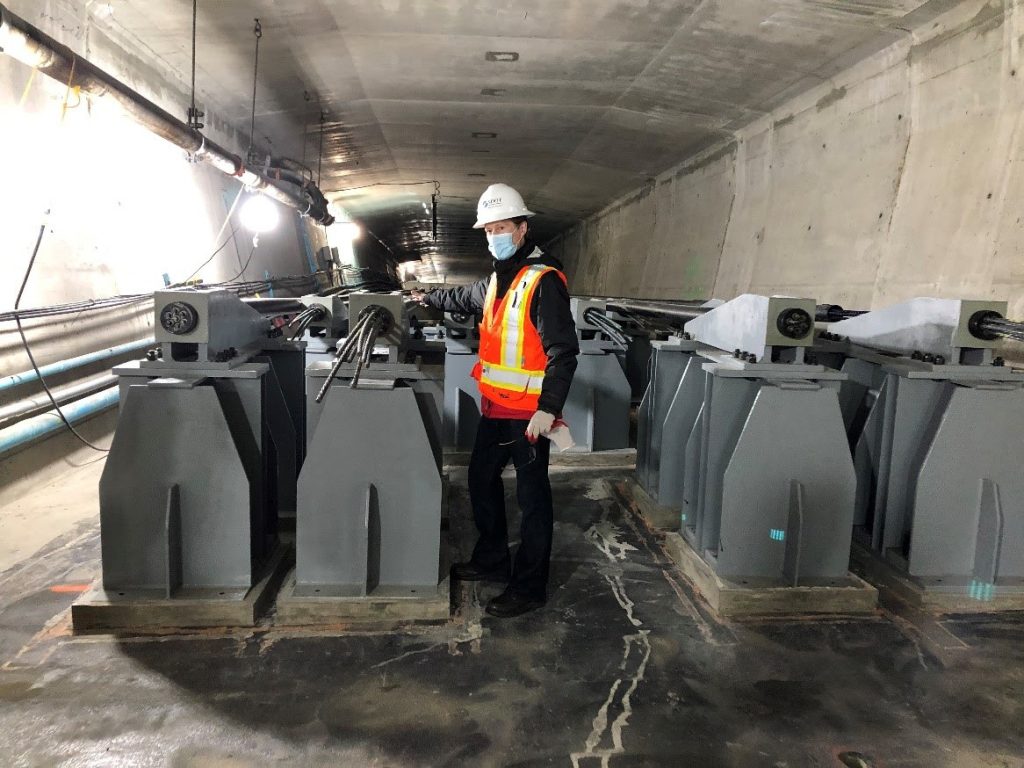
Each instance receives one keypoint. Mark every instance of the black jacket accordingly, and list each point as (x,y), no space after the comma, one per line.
(550,313)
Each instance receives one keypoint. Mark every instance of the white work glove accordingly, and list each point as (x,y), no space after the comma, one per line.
(539,424)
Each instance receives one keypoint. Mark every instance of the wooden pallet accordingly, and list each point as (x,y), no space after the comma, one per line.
(656,516)
(99,610)
(894,582)
(384,609)
(848,595)
(595,460)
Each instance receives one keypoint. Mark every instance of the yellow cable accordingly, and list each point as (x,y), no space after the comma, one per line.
(28,87)
(67,94)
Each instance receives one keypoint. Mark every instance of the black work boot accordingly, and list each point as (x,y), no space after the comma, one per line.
(471,571)
(509,604)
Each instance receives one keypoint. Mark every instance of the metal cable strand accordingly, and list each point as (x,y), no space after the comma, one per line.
(193,115)
(258,31)
(73,308)
(1013,329)
(669,311)
(640,320)
(112,302)
(300,328)
(320,157)
(613,330)
(360,354)
(370,334)
(607,326)
(309,317)
(340,357)
(353,337)
(296,319)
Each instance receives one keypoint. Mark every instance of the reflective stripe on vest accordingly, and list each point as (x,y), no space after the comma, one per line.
(501,377)
(516,315)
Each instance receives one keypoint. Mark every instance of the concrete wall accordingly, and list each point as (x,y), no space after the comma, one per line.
(902,177)
(125,207)
(122,208)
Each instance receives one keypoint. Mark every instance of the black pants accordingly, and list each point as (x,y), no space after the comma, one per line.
(497,442)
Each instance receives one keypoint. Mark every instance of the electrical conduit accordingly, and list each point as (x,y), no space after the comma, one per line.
(75,362)
(47,423)
(63,395)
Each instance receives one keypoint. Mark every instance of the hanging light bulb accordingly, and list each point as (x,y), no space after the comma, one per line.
(258,214)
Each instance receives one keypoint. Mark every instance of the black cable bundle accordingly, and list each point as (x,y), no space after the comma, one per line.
(17,315)
(1000,326)
(608,327)
(358,347)
(304,319)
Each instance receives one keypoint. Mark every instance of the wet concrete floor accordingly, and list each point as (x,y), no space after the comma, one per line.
(623,667)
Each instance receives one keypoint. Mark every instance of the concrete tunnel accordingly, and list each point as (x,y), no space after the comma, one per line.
(693,166)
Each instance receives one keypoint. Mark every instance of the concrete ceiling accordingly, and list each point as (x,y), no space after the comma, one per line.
(594,98)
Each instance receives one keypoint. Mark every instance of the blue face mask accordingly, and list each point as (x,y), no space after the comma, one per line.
(502,247)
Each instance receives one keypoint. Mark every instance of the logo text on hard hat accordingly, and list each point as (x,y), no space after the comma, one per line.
(492,203)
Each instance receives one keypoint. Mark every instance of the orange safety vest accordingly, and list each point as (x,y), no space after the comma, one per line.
(512,358)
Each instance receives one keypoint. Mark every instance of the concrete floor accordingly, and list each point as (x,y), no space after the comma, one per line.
(50,489)
(622,668)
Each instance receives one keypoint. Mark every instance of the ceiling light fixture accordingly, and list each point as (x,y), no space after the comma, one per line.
(484,135)
(503,56)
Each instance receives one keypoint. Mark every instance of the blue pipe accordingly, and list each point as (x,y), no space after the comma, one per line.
(47,423)
(75,362)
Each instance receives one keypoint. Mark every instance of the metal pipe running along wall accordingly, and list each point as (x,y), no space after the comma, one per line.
(32,46)
(32,429)
(61,366)
(63,395)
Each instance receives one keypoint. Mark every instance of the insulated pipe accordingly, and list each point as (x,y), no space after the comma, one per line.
(292,165)
(47,423)
(833,313)
(75,362)
(30,45)
(61,394)
(824,313)
(656,308)
(685,303)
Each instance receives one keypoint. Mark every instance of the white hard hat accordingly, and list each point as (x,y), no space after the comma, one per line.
(499,202)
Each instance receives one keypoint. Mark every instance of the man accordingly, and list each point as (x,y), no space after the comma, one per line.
(528,350)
